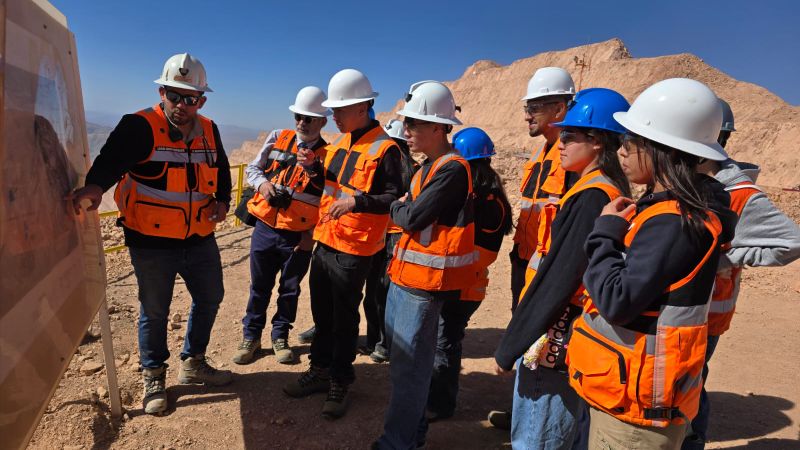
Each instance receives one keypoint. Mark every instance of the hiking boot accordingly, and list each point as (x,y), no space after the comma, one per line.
(336,403)
(155,392)
(247,351)
(500,419)
(306,337)
(196,370)
(282,351)
(379,356)
(312,381)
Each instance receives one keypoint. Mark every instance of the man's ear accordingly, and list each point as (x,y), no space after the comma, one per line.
(202,102)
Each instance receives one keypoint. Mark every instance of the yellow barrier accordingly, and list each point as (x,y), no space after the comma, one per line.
(237,189)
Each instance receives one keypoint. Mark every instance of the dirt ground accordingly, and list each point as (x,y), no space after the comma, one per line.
(753,380)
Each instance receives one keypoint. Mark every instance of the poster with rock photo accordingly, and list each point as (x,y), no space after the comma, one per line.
(52,273)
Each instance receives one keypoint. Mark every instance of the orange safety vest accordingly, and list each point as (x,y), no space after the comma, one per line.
(648,372)
(543,182)
(726,284)
(165,205)
(349,171)
(486,257)
(303,211)
(553,354)
(439,257)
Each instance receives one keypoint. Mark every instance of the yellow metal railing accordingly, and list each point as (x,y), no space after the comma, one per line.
(237,189)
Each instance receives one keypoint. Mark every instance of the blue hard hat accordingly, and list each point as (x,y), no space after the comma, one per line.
(595,108)
(371,113)
(473,143)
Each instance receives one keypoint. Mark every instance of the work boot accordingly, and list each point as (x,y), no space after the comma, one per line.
(312,381)
(196,370)
(336,403)
(155,392)
(500,419)
(282,351)
(379,355)
(306,337)
(247,351)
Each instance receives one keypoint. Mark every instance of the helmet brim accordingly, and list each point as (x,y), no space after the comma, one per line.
(546,94)
(712,151)
(329,103)
(297,110)
(179,85)
(433,119)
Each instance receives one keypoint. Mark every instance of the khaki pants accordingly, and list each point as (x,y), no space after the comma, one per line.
(608,433)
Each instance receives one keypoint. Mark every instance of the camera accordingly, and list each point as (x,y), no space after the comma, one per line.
(281,200)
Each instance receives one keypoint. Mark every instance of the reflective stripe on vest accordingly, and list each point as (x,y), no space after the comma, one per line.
(649,371)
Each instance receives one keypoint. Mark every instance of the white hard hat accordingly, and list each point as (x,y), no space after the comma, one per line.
(680,113)
(184,71)
(309,102)
(549,81)
(348,87)
(395,129)
(430,101)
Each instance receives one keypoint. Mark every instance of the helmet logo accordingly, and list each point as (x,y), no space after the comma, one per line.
(183,71)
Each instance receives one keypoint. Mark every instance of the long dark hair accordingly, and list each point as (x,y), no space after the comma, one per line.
(676,171)
(609,161)
(485,182)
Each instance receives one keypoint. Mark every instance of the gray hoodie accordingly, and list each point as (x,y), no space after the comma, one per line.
(764,235)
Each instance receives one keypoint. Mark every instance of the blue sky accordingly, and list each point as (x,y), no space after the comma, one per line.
(258,54)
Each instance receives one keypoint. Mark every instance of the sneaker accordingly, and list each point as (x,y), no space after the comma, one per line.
(282,351)
(247,351)
(312,381)
(379,356)
(306,337)
(336,403)
(155,392)
(196,370)
(500,419)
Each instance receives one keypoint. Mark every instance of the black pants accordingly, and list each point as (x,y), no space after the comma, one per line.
(518,268)
(453,323)
(375,295)
(335,284)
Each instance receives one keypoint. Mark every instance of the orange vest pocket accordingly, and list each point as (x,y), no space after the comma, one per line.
(207,179)
(364,173)
(160,220)
(598,368)
(350,228)
(176,179)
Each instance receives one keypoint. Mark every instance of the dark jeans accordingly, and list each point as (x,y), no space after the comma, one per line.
(699,436)
(375,295)
(155,268)
(335,284)
(272,251)
(518,268)
(453,322)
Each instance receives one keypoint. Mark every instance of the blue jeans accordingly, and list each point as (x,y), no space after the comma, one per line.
(697,439)
(447,362)
(547,412)
(155,268)
(411,326)
(272,251)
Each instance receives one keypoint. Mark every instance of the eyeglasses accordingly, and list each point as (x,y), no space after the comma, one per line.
(412,124)
(569,136)
(188,100)
(304,119)
(534,108)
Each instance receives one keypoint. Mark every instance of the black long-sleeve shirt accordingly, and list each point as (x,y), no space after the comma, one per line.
(131,143)
(387,184)
(623,285)
(558,277)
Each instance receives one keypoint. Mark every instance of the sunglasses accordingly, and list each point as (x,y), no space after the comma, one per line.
(533,108)
(305,119)
(569,136)
(412,124)
(188,100)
